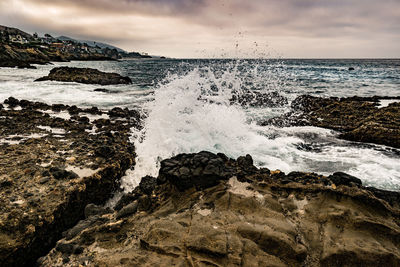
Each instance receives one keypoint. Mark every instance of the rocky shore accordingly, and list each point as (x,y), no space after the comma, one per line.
(22,57)
(362,119)
(56,159)
(208,210)
(84,75)
(60,163)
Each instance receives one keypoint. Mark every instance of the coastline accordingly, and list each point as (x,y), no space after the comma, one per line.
(77,157)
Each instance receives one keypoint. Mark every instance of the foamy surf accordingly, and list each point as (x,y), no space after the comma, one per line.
(191,112)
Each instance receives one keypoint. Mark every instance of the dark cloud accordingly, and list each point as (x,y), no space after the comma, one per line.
(335,24)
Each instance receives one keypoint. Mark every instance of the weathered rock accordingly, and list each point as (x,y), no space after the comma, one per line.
(84,75)
(48,178)
(356,118)
(258,221)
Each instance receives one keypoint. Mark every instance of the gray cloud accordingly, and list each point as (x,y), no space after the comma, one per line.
(182,27)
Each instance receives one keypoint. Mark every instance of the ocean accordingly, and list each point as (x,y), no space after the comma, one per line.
(188,110)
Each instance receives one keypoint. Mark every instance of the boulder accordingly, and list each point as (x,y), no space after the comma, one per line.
(84,75)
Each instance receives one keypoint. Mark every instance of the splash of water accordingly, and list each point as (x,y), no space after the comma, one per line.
(192,112)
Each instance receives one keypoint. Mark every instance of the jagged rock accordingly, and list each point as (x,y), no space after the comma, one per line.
(258,221)
(84,75)
(258,99)
(356,118)
(47,181)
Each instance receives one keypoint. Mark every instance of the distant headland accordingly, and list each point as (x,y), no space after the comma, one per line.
(21,49)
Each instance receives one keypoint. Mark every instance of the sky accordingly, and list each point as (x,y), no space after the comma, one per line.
(220,28)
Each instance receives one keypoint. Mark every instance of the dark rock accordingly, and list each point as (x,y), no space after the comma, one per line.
(62,174)
(11,101)
(127,210)
(147,184)
(351,68)
(200,170)
(341,178)
(104,151)
(92,210)
(258,99)
(357,118)
(44,180)
(127,199)
(84,75)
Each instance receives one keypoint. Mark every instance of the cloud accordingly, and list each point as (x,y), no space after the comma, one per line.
(182,28)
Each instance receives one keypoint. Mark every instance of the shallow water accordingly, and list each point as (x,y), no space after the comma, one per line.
(188,111)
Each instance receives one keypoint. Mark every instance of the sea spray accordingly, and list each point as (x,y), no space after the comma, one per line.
(192,112)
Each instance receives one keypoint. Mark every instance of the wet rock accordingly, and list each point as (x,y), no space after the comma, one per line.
(127,210)
(356,118)
(340,178)
(93,210)
(84,75)
(62,174)
(11,101)
(258,99)
(147,184)
(200,170)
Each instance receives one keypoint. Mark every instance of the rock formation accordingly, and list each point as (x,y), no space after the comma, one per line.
(208,210)
(55,159)
(84,75)
(356,118)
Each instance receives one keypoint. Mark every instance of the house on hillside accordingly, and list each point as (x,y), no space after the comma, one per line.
(17,39)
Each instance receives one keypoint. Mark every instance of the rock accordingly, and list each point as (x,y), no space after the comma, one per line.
(200,170)
(258,99)
(93,210)
(84,75)
(356,118)
(147,184)
(127,210)
(62,174)
(340,178)
(11,101)
(104,151)
(259,221)
(351,68)
(41,195)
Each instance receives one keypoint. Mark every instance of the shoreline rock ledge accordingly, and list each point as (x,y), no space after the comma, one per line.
(205,209)
(54,160)
(84,75)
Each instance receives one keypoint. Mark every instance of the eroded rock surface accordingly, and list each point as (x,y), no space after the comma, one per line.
(360,119)
(54,160)
(84,75)
(208,210)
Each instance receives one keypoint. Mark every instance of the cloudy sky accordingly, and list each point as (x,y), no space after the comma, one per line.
(220,28)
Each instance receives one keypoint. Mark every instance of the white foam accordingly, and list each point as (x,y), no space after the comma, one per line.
(56,131)
(386,102)
(178,122)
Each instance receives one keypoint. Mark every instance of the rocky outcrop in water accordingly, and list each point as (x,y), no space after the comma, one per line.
(208,210)
(358,119)
(258,99)
(84,75)
(55,160)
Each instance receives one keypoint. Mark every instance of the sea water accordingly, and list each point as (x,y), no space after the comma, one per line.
(188,110)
